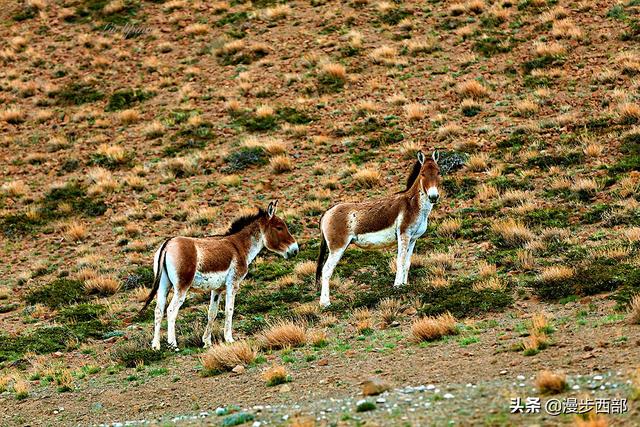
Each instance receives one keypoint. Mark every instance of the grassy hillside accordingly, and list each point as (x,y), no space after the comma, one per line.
(125,122)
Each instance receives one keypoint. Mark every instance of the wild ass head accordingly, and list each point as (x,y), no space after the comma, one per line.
(276,233)
(429,175)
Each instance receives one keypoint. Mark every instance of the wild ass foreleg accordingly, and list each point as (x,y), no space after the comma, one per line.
(407,261)
(161,302)
(213,312)
(327,272)
(229,302)
(403,248)
(172,314)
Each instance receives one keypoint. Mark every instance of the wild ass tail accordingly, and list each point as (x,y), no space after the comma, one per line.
(321,257)
(160,268)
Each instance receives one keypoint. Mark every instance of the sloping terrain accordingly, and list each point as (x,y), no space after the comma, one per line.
(125,122)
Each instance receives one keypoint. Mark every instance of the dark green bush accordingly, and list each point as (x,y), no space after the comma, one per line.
(59,293)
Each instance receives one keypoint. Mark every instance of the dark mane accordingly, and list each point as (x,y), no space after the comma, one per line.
(414,175)
(240,223)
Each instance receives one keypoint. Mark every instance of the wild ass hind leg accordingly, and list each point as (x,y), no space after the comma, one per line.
(327,271)
(179,295)
(401,259)
(213,312)
(161,302)
(407,262)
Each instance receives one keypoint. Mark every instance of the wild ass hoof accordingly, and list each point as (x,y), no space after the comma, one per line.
(325,304)
(155,345)
(230,339)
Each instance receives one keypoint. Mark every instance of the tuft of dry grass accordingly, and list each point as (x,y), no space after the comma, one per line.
(629,111)
(275,375)
(550,49)
(13,115)
(492,283)
(75,232)
(283,334)
(486,269)
(226,356)
(550,383)
(334,70)
(567,29)
(197,29)
(281,163)
(129,116)
(15,188)
(472,89)
(140,294)
(415,112)
(449,227)
(514,233)
(632,234)
(525,107)
(431,328)
(389,309)
(367,177)
(305,269)
(556,273)
(385,55)
(478,162)
(277,12)
(102,285)
(634,310)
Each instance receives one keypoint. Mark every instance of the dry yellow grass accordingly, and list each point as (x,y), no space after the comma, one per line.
(334,70)
(633,316)
(513,232)
(549,382)
(478,162)
(226,356)
(492,284)
(556,273)
(486,269)
(197,29)
(386,55)
(75,232)
(13,116)
(593,420)
(280,11)
(283,334)
(526,107)
(525,259)
(472,89)
(129,116)
(629,111)
(415,112)
(554,49)
(632,234)
(367,177)
(103,285)
(305,268)
(389,309)
(140,294)
(486,193)
(275,375)
(15,188)
(449,227)
(566,28)
(432,328)
(281,163)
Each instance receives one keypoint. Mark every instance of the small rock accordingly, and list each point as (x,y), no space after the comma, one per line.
(238,370)
(575,387)
(598,377)
(57,354)
(323,362)
(256,424)
(503,372)
(448,396)
(221,411)
(520,377)
(285,388)
(587,348)
(350,353)
(374,386)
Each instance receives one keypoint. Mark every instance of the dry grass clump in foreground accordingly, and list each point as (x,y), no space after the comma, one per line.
(276,375)
(550,383)
(283,334)
(431,328)
(226,356)
(75,232)
(556,273)
(514,233)
(305,268)
(634,310)
(281,163)
(103,285)
(367,177)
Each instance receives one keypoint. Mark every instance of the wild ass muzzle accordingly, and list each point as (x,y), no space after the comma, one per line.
(216,263)
(401,217)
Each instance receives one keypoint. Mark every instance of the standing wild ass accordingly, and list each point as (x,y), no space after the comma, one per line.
(216,263)
(401,217)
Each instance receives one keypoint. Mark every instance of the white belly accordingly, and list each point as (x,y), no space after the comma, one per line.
(210,281)
(384,237)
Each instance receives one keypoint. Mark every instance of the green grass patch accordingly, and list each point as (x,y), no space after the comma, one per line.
(77,93)
(126,98)
(244,158)
(58,293)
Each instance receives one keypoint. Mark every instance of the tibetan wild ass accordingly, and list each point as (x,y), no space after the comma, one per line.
(216,263)
(401,217)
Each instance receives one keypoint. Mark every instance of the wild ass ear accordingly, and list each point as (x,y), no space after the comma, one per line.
(273,207)
(421,157)
(435,156)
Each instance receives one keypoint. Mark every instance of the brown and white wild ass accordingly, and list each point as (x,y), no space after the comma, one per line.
(401,217)
(216,263)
